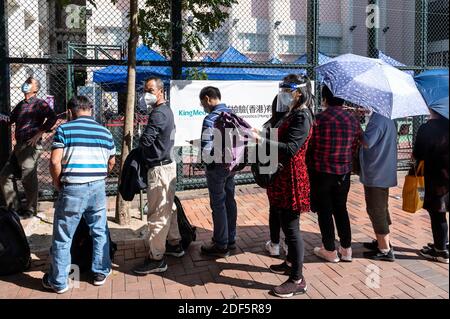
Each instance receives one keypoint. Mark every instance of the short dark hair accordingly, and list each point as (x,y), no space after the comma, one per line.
(211,92)
(331,99)
(79,103)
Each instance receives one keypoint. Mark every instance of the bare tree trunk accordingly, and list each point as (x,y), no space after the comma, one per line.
(122,207)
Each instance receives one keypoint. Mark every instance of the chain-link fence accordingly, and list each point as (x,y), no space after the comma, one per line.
(73,48)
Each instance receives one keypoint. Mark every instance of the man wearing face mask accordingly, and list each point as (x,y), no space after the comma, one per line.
(33,117)
(156,143)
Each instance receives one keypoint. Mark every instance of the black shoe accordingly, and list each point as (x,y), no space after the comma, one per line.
(100,279)
(281,269)
(232,246)
(431,245)
(378,255)
(47,285)
(214,250)
(150,267)
(432,254)
(290,288)
(374,245)
(175,250)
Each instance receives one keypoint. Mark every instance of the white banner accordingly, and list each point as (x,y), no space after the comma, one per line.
(251,100)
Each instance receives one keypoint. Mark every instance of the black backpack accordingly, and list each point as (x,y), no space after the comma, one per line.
(187,231)
(15,254)
(82,247)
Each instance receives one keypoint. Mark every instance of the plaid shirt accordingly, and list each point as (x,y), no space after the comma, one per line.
(32,116)
(336,137)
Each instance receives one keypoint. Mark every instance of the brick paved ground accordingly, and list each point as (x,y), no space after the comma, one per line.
(245,273)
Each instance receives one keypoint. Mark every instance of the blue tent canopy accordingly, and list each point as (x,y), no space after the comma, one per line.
(208,58)
(231,55)
(274,61)
(303,59)
(114,78)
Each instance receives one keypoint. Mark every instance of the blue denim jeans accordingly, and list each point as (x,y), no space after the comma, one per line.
(224,210)
(75,201)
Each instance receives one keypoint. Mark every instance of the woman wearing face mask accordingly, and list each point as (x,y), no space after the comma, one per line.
(278,114)
(289,192)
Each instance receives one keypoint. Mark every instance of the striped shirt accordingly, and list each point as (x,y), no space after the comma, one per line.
(207,141)
(87,147)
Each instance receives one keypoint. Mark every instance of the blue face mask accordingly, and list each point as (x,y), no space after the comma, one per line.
(26,88)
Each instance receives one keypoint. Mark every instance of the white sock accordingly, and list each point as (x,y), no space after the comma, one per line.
(385,251)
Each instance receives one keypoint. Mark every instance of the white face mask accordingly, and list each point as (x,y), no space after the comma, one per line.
(148,100)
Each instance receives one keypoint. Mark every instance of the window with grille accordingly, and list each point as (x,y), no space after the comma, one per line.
(293,44)
(254,42)
(330,46)
(215,41)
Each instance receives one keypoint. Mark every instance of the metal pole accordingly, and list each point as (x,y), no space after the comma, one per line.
(5,133)
(421,49)
(177,39)
(372,34)
(313,43)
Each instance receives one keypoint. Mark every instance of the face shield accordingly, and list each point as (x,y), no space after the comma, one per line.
(285,97)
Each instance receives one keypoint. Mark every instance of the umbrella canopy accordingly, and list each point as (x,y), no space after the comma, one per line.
(373,84)
(434,87)
(391,61)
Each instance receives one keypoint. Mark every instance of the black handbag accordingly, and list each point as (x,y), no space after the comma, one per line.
(264,180)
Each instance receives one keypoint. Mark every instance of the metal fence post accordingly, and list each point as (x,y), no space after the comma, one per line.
(372,36)
(313,44)
(5,134)
(421,49)
(177,66)
(177,39)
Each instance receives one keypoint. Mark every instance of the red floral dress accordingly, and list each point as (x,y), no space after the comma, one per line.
(290,188)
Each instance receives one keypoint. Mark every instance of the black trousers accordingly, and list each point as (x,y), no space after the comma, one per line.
(274,225)
(330,193)
(439,227)
(290,224)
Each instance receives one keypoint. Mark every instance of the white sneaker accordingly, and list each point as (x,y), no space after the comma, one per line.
(346,254)
(330,256)
(273,249)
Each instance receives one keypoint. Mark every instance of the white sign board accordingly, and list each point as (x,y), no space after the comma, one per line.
(251,100)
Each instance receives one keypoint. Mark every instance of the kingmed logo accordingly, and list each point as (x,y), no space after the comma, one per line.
(191,113)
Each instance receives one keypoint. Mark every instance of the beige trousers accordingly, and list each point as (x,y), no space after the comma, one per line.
(25,164)
(162,212)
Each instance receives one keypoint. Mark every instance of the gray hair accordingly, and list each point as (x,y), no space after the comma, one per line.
(159,82)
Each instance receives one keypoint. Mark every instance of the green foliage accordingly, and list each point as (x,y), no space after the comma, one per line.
(202,17)
(194,74)
(155,27)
